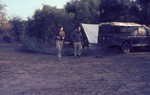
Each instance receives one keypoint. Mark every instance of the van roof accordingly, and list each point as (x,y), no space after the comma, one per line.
(120,24)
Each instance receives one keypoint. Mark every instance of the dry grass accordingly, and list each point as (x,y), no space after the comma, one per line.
(25,73)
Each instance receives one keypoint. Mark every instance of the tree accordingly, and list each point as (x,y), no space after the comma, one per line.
(45,22)
(2,17)
(5,26)
(144,6)
(18,28)
(118,10)
(85,11)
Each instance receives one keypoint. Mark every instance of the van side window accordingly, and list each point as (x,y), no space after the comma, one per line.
(129,30)
(105,29)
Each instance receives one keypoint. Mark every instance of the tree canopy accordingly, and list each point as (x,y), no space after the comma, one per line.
(144,6)
(85,11)
(5,26)
(44,23)
(118,10)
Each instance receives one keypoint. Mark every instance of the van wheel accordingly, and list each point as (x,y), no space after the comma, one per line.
(125,47)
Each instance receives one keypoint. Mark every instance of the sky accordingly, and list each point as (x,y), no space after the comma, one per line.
(26,8)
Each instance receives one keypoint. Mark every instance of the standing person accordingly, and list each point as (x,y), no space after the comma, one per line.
(77,39)
(59,42)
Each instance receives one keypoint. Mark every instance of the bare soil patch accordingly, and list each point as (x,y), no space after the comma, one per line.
(24,73)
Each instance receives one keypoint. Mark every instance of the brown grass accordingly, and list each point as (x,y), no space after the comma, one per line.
(23,73)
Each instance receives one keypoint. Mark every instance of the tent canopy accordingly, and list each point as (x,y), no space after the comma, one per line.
(91,31)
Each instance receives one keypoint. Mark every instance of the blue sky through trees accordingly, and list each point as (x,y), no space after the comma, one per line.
(26,8)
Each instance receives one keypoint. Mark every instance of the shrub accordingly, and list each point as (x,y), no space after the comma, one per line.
(31,44)
(7,39)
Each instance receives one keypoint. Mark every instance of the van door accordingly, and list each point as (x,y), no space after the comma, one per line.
(104,36)
(148,35)
(131,34)
(142,37)
(134,36)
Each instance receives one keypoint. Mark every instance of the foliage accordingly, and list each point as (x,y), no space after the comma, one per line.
(18,28)
(85,11)
(144,6)
(113,10)
(31,44)
(5,26)
(3,22)
(45,22)
(2,15)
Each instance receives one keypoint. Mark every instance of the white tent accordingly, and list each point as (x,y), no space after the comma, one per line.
(91,31)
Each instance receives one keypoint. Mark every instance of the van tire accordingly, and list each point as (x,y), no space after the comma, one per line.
(125,47)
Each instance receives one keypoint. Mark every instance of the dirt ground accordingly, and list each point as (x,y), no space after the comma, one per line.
(24,73)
